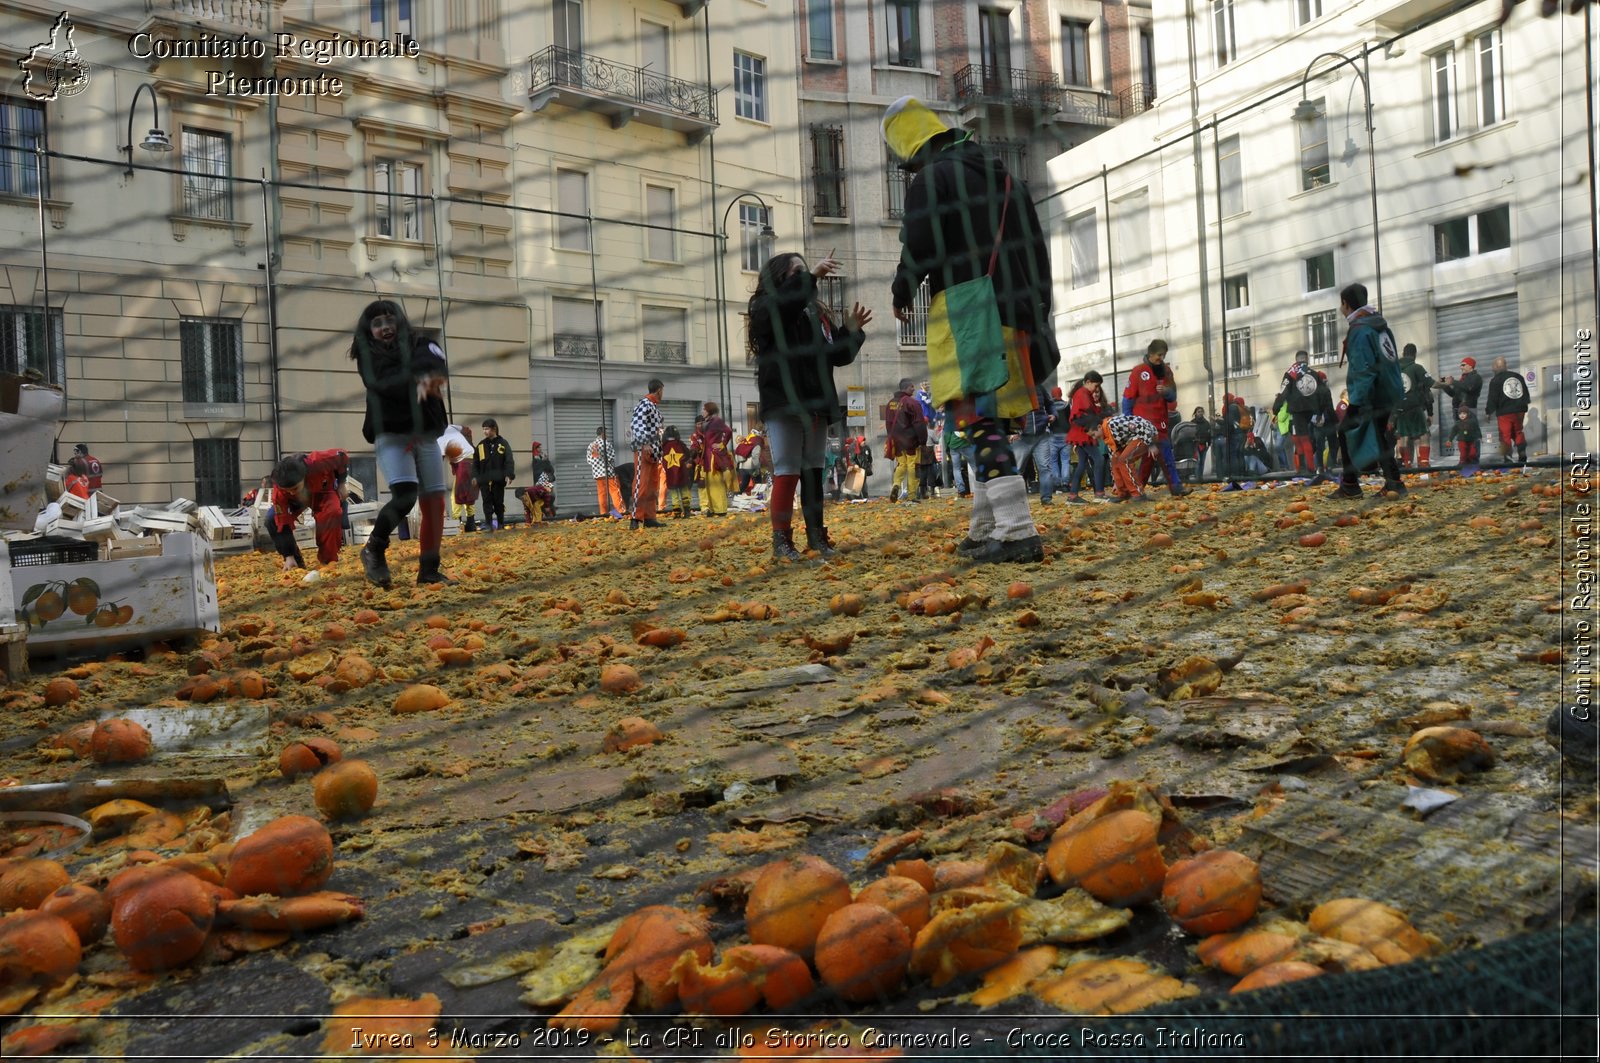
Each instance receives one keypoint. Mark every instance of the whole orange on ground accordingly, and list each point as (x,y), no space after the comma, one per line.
(862,952)
(792,899)
(163,922)
(37,947)
(85,907)
(1115,857)
(1212,892)
(904,897)
(119,741)
(308,755)
(26,883)
(345,790)
(292,854)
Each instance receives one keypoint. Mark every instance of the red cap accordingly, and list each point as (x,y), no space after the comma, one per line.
(1055,393)
(1469,363)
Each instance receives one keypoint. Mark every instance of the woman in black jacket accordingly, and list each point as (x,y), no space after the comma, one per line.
(797,345)
(404,373)
(1202,441)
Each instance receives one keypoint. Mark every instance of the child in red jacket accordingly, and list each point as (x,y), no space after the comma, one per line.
(313,481)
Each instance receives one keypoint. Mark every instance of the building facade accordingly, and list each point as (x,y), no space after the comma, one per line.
(1226,218)
(562,194)
(1029,79)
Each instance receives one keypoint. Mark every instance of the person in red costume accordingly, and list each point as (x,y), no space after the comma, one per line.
(1151,394)
(314,482)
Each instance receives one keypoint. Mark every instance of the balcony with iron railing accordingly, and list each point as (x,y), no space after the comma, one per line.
(1027,89)
(231,18)
(577,345)
(668,352)
(587,82)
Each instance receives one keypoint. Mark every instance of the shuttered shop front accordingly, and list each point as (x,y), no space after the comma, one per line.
(575,422)
(1483,330)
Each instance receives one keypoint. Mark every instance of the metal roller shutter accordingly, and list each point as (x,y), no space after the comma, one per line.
(1482,330)
(575,422)
(680,412)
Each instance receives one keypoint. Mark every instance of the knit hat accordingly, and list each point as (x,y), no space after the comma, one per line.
(908,125)
(536,446)
(1055,393)
(1469,363)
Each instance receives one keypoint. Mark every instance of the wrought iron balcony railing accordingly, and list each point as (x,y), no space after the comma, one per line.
(577,345)
(976,83)
(673,352)
(625,92)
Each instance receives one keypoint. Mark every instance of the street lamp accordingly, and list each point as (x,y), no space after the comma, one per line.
(768,234)
(156,140)
(1306,111)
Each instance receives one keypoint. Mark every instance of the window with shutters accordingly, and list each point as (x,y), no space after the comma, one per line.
(216,473)
(1443,64)
(1236,292)
(904,32)
(1472,234)
(750,86)
(1231,176)
(1491,79)
(572,200)
(666,335)
(208,168)
(24,347)
(213,363)
(1313,133)
(661,211)
(1237,344)
(1131,231)
(576,331)
(397,199)
(1075,52)
(1322,337)
(827,172)
(1083,233)
(21,131)
(1224,41)
(819,29)
(913,331)
(1319,272)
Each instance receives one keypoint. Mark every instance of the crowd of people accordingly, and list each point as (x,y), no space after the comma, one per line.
(981,421)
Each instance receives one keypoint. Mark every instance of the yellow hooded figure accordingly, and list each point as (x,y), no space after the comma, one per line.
(908,125)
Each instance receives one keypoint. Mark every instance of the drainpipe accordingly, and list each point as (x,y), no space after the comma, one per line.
(1111,279)
(44,279)
(272,313)
(1199,198)
(718,261)
(1222,269)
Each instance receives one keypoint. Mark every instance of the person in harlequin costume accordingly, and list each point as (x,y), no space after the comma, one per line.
(1151,394)
(1130,439)
(966,217)
(314,482)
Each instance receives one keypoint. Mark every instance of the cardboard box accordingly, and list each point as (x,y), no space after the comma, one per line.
(173,595)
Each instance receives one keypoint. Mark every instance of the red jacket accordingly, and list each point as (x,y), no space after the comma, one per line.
(675,462)
(325,473)
(908,425)
(1083,402)
(1152,397)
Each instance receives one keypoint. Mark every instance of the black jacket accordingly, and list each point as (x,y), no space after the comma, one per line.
(390,375)
(1299,390)
(541,466)
(1202,430)
(492,461)
(1508,393)
(1464,391)
(947,234)
(795,356)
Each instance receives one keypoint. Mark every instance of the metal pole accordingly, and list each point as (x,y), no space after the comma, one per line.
(438,272)
(272,319)
(1372,175)
(1111,280)
(600,352)
(44,269)
(1222,272)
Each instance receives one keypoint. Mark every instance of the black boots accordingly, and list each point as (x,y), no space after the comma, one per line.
(1026,551)
(812,508)
(428,571)
(376,567)
(783,545)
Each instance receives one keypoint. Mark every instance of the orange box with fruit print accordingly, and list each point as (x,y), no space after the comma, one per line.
(75,606)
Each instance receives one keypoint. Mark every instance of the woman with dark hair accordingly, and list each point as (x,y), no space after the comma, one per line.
(797,345)
(404,373)
(1202,441)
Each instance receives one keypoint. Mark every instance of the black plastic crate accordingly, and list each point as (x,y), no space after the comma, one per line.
(34,552)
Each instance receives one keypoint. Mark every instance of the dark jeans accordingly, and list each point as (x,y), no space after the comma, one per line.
(1086,458)
(494,501)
